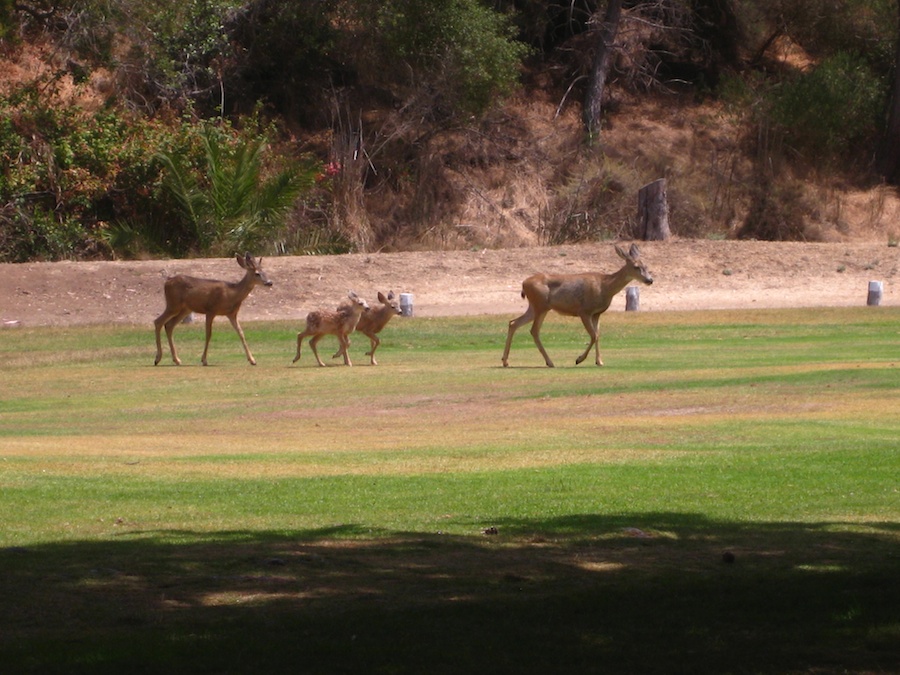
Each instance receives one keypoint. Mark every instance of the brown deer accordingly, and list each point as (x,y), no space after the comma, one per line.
(213,298)
(585,295)
(373,321)
(340,322)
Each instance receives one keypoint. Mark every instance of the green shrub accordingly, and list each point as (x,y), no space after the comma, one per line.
(831,111)
(226,201)
(33,232)
(460,48)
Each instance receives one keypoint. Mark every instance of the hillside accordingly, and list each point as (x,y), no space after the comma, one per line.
(523,176)
(697,146)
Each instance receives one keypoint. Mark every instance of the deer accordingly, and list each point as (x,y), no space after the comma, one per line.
(340,323)
(373,321)
(186,294)
(585,295)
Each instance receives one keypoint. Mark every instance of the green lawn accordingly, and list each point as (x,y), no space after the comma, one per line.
(282,518)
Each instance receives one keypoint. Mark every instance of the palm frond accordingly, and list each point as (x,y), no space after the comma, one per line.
(235,208)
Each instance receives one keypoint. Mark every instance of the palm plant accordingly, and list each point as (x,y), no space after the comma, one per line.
(231,207)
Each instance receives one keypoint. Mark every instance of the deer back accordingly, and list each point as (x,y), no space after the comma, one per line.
(340,321)
(212,296)
(571,294)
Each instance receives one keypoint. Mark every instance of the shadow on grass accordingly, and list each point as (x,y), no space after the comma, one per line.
(651,594)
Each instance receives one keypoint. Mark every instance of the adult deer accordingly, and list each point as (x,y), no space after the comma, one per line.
(340,323)
(213,298)
(585,295)
(373,321)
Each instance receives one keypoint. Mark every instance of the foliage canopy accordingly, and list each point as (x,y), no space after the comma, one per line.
(402,80)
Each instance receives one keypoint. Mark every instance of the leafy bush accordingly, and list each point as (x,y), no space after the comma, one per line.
(452,56)
(458,47)
(7,19)
(76,184)
(226,203)
(32,232)
(831,111)
(285,54)
(55,164)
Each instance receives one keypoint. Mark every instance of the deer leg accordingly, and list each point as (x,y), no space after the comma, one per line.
(345,346)
(536,334)
(312,343)
(169,321)
(514,325)
(171,325)
(158,324)
(240,331)
(373,339)
(209,323)
(340,349)
(591,327)
(300,337)
(595,320)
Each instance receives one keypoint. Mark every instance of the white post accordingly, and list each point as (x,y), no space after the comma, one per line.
(874,297)
(632,299)
(406,304)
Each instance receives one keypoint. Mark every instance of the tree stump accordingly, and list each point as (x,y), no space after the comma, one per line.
(653,212)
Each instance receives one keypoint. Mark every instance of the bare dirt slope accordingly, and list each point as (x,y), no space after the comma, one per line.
(689,274)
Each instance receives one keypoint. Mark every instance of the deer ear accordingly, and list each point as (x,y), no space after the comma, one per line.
(633,252)
(240,261)
(621,253)
(383,300)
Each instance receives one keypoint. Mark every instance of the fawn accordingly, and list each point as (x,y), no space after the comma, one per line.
(373,321)
(340,322)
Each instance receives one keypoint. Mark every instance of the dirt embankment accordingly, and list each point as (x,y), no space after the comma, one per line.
(689,274)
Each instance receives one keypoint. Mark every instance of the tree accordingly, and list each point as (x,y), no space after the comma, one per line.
(593,99)
(889,153)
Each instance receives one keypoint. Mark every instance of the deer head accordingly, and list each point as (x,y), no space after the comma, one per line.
(637,269)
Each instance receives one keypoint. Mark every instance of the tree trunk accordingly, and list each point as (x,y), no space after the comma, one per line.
(888,157)
(653,212)
(593,99)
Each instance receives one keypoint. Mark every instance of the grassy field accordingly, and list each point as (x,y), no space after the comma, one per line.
(441,514)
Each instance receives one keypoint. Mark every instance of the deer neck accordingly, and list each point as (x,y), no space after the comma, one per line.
(243,287)
(615,282)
